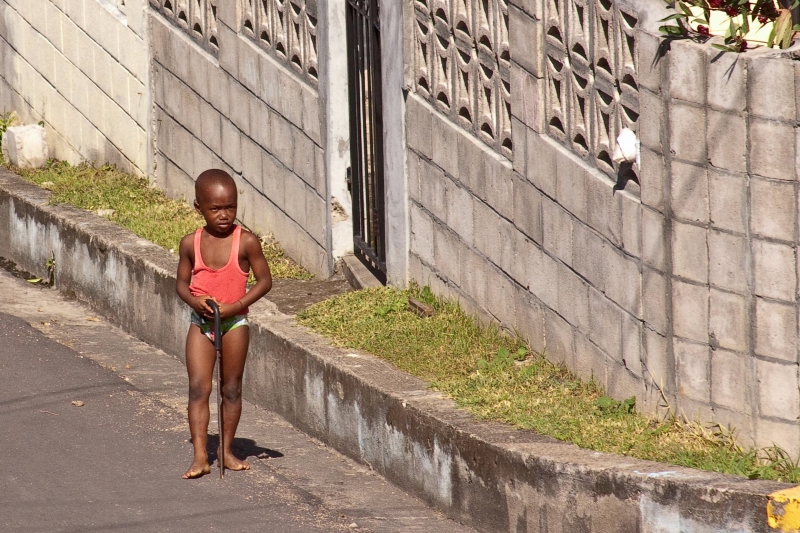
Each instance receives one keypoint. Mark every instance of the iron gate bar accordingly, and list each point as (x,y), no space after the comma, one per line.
(366,133)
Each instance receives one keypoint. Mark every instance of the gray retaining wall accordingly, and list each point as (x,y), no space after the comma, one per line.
(483,474)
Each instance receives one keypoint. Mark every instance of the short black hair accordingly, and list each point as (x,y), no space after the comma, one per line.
(210,178)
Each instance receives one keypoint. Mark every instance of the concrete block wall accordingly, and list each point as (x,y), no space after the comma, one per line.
(81,67)
(681,289)
(248,114)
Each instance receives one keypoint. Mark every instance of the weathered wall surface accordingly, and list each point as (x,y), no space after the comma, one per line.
(682,292)
(237,89)
(490,476)
(82,68)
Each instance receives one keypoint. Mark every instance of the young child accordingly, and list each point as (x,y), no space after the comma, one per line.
(214,264)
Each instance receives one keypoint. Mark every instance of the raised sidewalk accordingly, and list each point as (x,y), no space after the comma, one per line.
(486,475)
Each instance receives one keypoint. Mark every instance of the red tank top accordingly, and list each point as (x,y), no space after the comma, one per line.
(229,283)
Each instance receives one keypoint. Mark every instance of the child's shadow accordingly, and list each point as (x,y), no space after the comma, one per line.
(241,448)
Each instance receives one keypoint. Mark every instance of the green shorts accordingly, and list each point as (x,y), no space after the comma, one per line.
(207,326)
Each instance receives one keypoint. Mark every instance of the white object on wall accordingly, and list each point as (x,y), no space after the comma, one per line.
(627,149)
(25,146)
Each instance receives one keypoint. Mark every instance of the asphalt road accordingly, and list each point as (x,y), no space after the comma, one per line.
(114,463)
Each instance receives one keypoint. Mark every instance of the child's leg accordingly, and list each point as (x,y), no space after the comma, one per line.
(200,359)
(234,354)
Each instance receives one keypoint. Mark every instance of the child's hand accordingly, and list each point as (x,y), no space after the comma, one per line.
(229,310)
(201,307)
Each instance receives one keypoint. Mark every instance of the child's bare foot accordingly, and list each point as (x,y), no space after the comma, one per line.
(234,463)
(197,469)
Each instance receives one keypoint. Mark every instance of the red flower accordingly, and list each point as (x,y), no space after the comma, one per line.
(731,11)
(714,4)
(703,30)
(762,19)
(743,46)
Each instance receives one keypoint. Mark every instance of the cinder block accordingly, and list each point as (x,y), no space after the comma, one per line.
(784,434)
(726,138)
(311,120)
(557,231)
(651,178)
(499,183)
(470,165)
(502,303)
(231,145)
(473,278)
(542,167)
(729,380)
(504,233)
(292,107)
(605,321)
(774,270)
(573,299)
(729,320)
(421,234)
(632,344)
(530,322)
(728,257)
(776,330)
(727,194)
(228,49)
(687,72)
(687,132)
(769,158)
(419,126)
(650,61)
(528,209)
(221,100)
(412,167)
(447,253)
(621,383)
(559,337)
(432,184)
(689,192)
(589,255)
(260,126)
(251,162)
(295,205)
(527,91)
(778,395)
(652,110)
(654,299)
(304,159)
(519,140)
(522,267)
(604,208)
(269,87)
(769,80)
(773,208)
(525,38)
(631,224)
(690,252)
(653,239)
(571,186)
(282,140)
(458,210)
(249,66)
(273,179)
(727,84)
(657,363)
(240,106)
(623,282)
(544,280)
(692,366)
(444,139)
(690,311)
(589,362)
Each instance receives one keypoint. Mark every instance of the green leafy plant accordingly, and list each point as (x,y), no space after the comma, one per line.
(6,120)
(692,20)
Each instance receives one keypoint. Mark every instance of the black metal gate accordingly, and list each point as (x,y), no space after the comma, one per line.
(366,133)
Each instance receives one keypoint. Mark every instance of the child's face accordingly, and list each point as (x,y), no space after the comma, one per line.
(217,205)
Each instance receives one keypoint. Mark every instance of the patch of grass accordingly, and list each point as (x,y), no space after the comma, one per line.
(495,376)
(131,202)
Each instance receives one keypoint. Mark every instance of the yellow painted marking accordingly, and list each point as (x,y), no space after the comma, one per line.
(783,510)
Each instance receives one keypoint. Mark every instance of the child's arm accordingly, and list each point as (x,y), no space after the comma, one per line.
(198,303)
(255,256)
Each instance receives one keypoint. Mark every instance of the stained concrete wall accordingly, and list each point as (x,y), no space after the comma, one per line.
(82,68)
(681,291)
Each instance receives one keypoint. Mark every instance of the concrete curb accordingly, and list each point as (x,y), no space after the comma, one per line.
(486,475)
